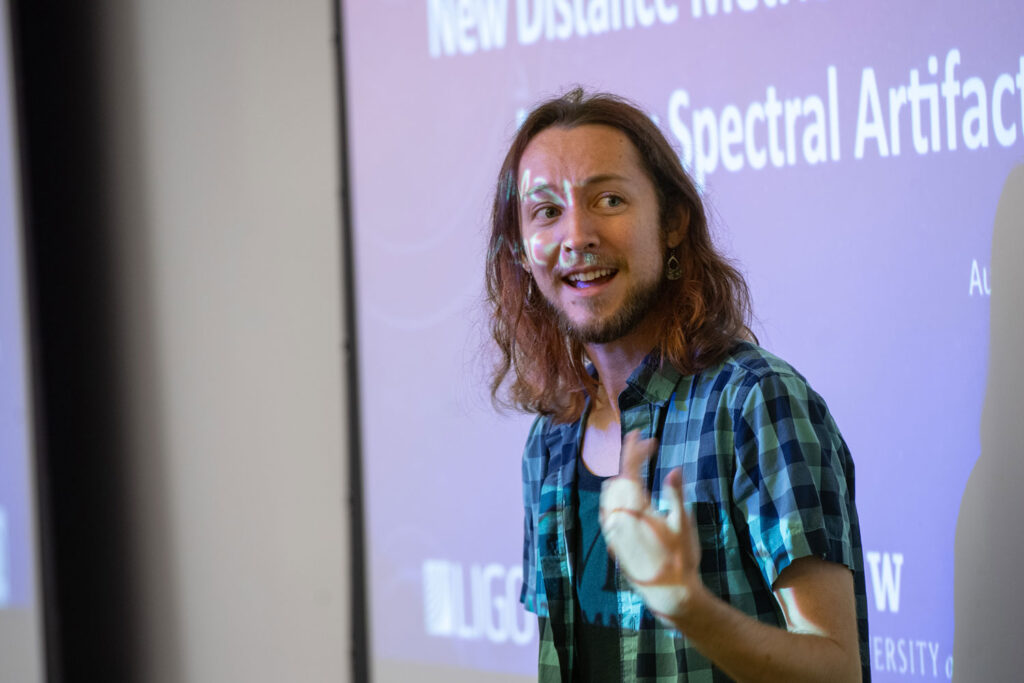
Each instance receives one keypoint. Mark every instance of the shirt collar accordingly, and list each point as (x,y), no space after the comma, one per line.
(651,382)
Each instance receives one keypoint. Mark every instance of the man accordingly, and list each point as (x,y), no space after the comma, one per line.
(725,545)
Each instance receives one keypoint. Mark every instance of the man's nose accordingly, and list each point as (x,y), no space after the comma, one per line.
(580,230)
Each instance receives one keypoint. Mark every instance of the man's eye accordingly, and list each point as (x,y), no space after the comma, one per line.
(548,212)
(611,201)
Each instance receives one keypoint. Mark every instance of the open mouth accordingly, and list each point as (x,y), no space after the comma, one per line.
(590,278)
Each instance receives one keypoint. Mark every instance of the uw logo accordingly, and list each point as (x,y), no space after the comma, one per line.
(485,608)
(886,570)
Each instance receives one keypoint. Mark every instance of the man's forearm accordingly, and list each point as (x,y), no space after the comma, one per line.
(753,652)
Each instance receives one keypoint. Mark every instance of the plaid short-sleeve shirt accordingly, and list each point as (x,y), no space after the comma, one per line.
(768,479)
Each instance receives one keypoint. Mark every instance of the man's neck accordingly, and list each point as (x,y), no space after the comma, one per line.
(617,360)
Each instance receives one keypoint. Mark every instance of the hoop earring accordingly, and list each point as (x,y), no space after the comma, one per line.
(673,269)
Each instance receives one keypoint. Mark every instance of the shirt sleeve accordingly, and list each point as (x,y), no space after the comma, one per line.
(794,476)
(534,461)
(528,593)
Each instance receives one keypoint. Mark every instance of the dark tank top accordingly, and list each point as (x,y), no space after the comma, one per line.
(597,631)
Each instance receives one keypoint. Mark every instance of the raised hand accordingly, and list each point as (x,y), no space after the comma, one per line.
(659,554)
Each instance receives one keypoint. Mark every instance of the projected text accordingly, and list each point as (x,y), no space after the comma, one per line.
(462,27)
(481,603)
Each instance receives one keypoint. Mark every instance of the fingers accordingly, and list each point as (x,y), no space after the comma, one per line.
(619,493)
(672,490)
(677,519)
(635,452)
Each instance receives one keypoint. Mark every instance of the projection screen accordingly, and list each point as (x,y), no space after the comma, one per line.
(21,644)
(852,155)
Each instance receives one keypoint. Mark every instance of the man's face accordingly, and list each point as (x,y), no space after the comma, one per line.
(589,221)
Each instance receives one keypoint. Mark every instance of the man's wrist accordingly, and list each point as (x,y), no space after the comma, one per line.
(695,603)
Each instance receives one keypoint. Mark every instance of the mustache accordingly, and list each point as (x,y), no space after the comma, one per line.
(576,259)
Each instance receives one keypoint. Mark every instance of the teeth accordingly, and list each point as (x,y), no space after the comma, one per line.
(591,275)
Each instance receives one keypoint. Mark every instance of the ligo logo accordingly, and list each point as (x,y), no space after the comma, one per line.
(484,606)
(5,582)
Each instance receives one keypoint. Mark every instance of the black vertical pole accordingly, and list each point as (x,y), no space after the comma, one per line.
(357,567)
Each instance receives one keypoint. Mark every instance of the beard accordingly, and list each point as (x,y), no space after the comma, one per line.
(640,301)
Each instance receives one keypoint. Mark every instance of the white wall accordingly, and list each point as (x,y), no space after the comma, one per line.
(990,528)
(223,169)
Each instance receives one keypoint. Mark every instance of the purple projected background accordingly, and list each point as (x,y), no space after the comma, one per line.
(16,555)
(852,154)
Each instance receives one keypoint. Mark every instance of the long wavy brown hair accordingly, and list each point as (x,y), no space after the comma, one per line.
(542,367)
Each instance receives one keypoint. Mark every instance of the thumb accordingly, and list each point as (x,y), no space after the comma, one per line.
(672,490)
(635,452)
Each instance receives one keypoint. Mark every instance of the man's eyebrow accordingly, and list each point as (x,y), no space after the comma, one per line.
(592,180)
(603,178)
(538,189)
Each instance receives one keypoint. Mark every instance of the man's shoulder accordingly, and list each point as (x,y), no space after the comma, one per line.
(548,447)
(748,363)
(754,380)
(535,437)
(750,374)
(542,424)
(546,432)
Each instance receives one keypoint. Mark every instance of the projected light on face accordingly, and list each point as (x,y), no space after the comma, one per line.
(589,223)
(540,250)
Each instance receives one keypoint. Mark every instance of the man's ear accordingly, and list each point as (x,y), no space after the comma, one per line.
(679,223)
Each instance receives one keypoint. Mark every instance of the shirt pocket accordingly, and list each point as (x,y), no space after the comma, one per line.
(718,550)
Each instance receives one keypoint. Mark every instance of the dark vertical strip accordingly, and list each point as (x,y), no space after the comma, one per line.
(60,58)
(46,571)
(360,616)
